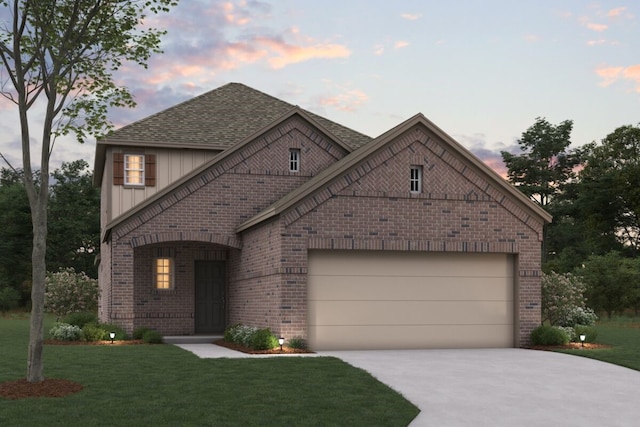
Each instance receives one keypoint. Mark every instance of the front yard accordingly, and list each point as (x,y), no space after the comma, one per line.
(165,385)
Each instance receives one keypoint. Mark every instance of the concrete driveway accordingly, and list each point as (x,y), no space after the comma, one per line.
(505,387)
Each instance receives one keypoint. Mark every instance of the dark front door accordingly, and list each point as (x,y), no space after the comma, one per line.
(210,302)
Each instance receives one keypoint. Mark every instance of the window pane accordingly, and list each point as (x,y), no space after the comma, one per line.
(134,169)
(163,273)
(294,160)
(416,179)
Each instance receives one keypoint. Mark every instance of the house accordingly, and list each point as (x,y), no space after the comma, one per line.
(237,207)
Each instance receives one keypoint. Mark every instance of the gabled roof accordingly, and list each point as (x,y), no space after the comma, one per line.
(215,120)
(337,169)
(295,111)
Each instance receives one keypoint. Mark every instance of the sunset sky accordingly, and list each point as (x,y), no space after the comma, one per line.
(482,70)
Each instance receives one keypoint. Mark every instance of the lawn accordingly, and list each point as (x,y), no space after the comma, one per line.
(623,334)
(165,385)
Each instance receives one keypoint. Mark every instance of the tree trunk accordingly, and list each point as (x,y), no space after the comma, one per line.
(35,370)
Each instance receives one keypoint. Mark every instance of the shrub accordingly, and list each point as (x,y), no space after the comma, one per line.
(9,298)
(569,330)
(152,337)
(138,333)
(69,292)
(562,298)
(94,332)
(240,334)
(580,316)
(298,342)
(589,331)
(263,339)
(549,335)
(80,319)
(66,332)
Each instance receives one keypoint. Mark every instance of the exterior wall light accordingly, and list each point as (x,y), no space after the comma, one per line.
(281,341)
(582,338)
(112,336)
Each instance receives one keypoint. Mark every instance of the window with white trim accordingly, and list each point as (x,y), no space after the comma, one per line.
(133,169)
(163,273)
(416,179)
(294,160)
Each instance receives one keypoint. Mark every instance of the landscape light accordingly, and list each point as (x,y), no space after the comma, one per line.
(112,335)
(281,341)
(582,338)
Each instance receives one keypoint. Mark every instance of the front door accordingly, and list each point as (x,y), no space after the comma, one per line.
(210,297)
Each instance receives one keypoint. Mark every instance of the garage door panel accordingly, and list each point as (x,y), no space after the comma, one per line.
(390,299)
(408,313)
(399,263)
(411,337)
(408,288)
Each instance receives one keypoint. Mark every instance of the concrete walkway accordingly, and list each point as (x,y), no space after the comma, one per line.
(496,387)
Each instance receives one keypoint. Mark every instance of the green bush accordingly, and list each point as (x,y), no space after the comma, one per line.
(549,335)
(66,332)
(138,333)
(69,292)
(263,339)
(94,332)
(152,337)
(9,299)
(589,331)
(240,334)
(230,332)
(298,342)
(80,319)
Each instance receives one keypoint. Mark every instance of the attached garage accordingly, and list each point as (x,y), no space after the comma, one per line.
(403,300)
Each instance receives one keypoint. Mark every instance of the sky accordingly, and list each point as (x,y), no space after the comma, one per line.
(481,70)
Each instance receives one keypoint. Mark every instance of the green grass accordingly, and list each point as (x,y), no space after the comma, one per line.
(165,385)
(623,334)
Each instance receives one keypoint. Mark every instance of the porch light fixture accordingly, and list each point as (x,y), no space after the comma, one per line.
(582,338)
(281,341)
(112,335)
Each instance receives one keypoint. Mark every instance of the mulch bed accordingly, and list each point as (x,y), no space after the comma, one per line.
(50,387)
(238,347)
(570,346)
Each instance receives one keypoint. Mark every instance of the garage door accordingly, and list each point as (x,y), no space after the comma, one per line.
(404,300)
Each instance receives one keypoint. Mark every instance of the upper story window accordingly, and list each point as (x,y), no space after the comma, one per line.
(415,182)
(133,169)
(163,273)
(294,160)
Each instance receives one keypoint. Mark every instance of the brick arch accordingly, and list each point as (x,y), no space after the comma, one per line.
(183,236)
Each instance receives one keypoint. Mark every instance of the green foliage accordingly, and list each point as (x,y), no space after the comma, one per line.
(240,334)
(544,165)
(590,332)
(94,332)
(549,335)
(138,333)
(152,337)
(611,281)
(9,299)
(80,319)
(69,292)
(66,332)
(297,342)
(263,339)
(564,302)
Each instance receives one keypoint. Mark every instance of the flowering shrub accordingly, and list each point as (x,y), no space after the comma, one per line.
(65,332)
(69,292)
(240,334)
(563,301)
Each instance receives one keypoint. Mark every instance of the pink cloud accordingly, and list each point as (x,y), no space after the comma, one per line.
(596,42)
(400,44)
(613,13)
(378,49)
(612,75)
(349,100)
(597,27)
(411,16)
(287,53)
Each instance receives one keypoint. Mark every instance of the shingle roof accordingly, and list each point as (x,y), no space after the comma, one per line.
(219,119)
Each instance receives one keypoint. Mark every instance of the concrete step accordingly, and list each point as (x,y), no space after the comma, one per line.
(191,339)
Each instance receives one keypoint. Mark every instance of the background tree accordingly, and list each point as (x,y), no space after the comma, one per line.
(60,56)
(74,220)
(545,163)
(609,279)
